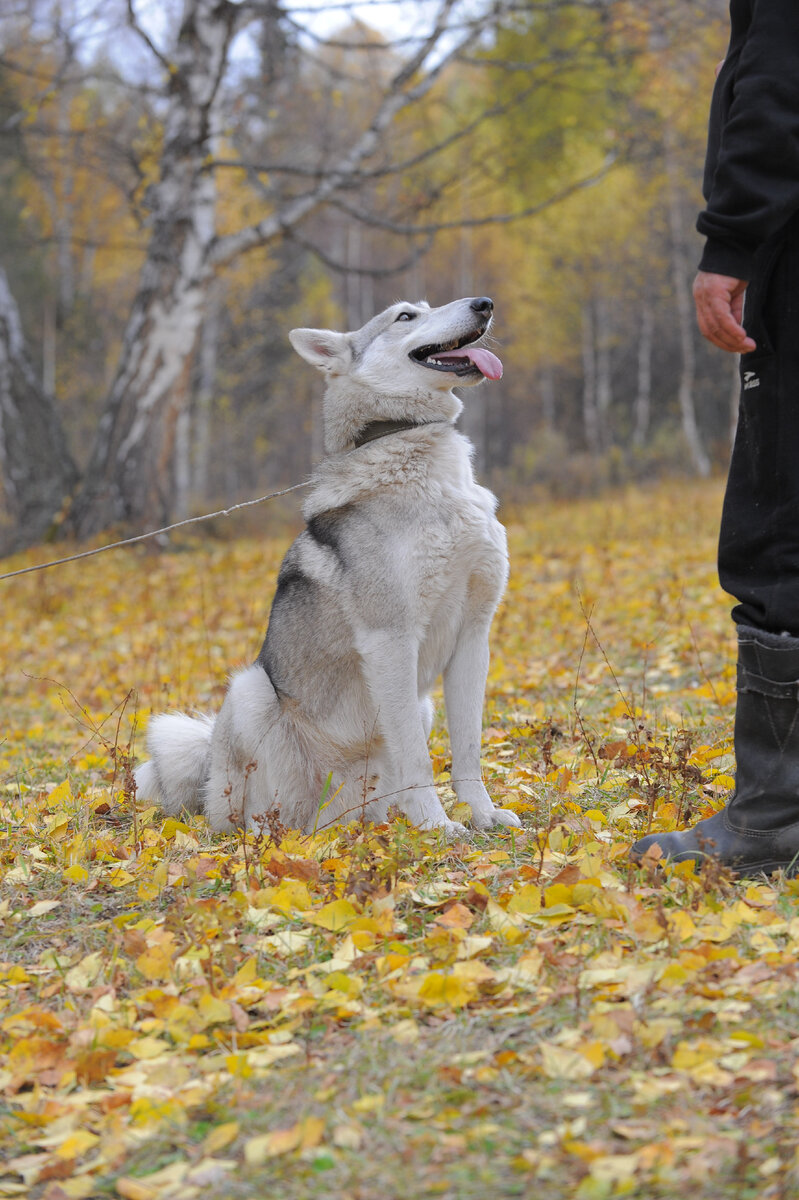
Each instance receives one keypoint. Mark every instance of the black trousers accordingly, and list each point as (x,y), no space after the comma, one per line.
(759,540)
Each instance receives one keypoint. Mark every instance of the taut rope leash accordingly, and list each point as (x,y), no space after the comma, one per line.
(373,431)
(142,537)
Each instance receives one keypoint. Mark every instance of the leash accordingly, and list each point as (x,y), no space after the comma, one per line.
(370,433)
(142,537)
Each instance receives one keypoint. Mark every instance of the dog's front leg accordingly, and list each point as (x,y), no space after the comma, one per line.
(390,663)
(464,688)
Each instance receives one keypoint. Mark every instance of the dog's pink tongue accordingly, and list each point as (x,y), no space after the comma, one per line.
(487,363)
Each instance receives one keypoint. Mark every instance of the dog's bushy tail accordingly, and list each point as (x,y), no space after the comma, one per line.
(179,747)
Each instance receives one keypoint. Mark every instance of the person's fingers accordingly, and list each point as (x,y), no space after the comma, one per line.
(719,307)
(719,327)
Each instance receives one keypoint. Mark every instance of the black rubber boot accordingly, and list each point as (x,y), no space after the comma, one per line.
(758,831)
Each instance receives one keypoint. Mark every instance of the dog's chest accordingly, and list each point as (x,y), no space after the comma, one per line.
(461,571)
(422,555)
(460,551)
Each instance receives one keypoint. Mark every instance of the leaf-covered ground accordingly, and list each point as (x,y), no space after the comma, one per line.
(371,1012)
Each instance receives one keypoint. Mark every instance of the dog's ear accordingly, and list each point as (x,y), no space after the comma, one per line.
(323,348)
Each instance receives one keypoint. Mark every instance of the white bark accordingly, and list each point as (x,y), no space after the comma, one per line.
(130,474)
(604,383)
(590,414)
(36,469)
(206,391)
(643,397)
(56,185)
(49,345)
(63,212)
(685,313)
(399,94)
(182,503)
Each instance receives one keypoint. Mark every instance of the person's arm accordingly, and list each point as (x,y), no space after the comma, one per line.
(755,185)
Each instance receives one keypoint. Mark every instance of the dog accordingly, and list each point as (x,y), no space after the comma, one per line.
(393,582)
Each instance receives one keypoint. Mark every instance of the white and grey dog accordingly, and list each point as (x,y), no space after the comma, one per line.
(393,582)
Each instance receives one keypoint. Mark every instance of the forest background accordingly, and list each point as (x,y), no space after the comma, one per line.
(181,184)
(371,1012)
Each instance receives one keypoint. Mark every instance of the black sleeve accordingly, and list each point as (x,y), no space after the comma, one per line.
(755,184)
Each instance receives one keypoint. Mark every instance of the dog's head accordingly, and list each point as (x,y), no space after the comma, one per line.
(402,365)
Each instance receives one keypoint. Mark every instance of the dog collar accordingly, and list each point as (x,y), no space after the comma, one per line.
(379,429)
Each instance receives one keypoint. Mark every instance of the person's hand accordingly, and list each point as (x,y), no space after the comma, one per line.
(719,303)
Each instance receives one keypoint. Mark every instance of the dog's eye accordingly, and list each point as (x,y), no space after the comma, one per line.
(407,316)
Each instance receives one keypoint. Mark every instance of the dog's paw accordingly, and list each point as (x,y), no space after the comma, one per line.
(453,831)
(497,816)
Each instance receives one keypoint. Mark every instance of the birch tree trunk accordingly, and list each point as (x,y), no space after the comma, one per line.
(182,464)
(643,397)
(49,345)
(685,310)
(57,189)
(130,475)
(37,470)
(204,399)
(590,414)
(604,383)
(62,215)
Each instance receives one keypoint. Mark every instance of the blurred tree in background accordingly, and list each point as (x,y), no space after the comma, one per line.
(181,184)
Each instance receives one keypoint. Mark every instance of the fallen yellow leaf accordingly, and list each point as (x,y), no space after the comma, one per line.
(335,916)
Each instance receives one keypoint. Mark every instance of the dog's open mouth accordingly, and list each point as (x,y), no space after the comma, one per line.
(460,357)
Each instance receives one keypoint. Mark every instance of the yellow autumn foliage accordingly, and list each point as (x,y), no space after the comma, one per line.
(178,1007)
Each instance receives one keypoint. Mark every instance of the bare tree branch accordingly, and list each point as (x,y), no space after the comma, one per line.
(52,85)
(141,32)
(406,229)
(396,99)
(359,177)
(343,268)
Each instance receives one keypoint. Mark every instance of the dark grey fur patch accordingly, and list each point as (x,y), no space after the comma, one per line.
(295,591)
(326,529)
(291,582)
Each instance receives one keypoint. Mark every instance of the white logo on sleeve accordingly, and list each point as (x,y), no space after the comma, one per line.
(751,380)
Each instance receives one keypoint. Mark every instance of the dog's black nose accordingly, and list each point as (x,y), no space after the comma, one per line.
(482,304)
